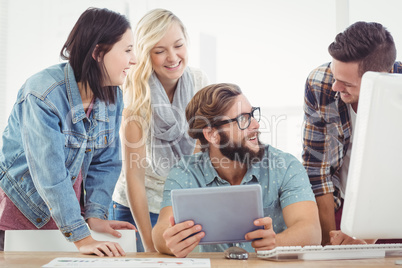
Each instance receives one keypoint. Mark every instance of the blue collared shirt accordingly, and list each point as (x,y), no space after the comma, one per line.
(46,143)
(282,177)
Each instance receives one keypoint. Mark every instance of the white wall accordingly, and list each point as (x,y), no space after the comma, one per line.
(267,47)
(386,12)
(32,33)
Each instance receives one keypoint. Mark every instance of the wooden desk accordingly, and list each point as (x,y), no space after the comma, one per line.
(37,259)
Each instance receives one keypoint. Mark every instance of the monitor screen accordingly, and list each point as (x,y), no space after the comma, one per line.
(373,197)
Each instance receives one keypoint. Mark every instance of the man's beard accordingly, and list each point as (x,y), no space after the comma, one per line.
(239,151)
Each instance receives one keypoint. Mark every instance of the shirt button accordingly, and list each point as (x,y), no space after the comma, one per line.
(67,234)
(87,150)
(73,178)
(38,220)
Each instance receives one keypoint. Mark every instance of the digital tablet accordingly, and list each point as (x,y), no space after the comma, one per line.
(225,213)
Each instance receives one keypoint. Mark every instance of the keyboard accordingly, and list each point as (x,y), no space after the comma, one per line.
(331,252)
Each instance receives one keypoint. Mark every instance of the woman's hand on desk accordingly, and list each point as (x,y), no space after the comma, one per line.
(106,226)
(183,237)
(88,245)
(265,238)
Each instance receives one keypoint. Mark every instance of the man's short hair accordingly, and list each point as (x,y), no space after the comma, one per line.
(208,106)
(368,43)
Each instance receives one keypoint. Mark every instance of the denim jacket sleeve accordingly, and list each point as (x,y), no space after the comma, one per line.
(43,143)
(103,172)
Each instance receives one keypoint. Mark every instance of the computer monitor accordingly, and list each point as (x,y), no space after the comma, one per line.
(373,197)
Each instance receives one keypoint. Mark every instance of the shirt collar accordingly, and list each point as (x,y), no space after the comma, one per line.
(100,112)
(210,173)
(74,98)
(252,174)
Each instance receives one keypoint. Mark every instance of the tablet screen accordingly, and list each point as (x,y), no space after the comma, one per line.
(226,213)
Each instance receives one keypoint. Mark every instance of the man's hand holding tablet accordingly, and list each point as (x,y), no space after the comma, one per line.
(218,215)
(183,237)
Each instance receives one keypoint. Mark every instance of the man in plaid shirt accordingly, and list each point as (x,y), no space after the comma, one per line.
(331,100)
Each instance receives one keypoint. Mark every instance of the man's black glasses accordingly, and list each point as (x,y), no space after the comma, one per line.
(243,120)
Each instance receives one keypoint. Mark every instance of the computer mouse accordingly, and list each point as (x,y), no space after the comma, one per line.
(236,253)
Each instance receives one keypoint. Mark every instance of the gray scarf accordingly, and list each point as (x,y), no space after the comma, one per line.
(169,137)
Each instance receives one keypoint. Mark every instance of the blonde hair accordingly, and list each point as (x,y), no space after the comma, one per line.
(149,31)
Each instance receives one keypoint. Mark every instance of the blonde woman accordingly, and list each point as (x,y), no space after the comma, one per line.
(154,128)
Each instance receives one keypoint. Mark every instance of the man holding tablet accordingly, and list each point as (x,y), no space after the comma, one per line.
(226,125)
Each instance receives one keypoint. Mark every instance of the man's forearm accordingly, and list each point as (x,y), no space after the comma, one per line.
(326,212)
(159,241)
(301,234)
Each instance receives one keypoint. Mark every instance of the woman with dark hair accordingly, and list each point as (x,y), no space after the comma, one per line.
(60,157)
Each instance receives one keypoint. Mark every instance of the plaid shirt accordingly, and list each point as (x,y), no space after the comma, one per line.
(327,131)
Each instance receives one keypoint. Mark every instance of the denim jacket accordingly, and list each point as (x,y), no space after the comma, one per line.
(48,140)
